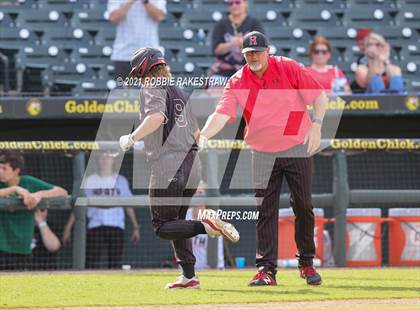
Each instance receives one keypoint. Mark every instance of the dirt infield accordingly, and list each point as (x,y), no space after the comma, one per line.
(331,304)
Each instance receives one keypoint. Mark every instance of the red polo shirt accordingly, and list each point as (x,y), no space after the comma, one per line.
(274,106)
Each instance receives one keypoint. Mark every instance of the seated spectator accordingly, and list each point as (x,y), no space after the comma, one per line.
(330,77)
(360,41)
(362,59)
(45,243)
(379,75)
(105,231)
(227,39)
(17,227)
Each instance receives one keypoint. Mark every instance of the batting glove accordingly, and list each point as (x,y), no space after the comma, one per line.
(126,142)
(202,142)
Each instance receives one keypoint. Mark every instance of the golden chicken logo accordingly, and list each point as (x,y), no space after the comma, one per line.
(412,103)
(34,107)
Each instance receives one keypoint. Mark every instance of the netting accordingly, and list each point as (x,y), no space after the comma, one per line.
(366,170)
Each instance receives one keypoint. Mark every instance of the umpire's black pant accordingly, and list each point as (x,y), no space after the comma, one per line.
(268,171)
(174,180)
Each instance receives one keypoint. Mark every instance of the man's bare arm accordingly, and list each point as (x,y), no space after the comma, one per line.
(119,14)
(154,12)
(214,124)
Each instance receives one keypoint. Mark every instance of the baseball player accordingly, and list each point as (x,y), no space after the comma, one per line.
(279,130)
(170,131)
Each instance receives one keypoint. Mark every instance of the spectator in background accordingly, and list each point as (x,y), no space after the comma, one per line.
(330,77)
(137,26)
(379,74)
(45,243)
(227,39)
(106,226)
(17,227)
(362,59)
(360,41)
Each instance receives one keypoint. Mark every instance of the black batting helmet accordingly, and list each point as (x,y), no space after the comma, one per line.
(145,59)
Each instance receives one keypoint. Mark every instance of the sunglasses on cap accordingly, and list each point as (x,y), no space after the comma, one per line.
(234,2)
(323,52)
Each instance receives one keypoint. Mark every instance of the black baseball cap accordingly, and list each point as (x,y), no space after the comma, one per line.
(254,41)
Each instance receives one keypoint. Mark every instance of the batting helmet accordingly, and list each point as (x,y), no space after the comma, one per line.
(145,59)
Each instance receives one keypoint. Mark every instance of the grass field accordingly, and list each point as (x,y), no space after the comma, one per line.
(146,288)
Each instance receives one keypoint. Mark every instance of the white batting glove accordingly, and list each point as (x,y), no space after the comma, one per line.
(202,142)
(126,142)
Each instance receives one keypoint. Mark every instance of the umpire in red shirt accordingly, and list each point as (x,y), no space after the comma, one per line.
(273,93)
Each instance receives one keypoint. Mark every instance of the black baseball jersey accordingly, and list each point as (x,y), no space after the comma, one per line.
(177,132)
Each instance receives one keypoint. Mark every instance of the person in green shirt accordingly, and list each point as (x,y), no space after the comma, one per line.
(17,227)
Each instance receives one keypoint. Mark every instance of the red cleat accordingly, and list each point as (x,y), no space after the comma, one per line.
(309,273)
(263,278)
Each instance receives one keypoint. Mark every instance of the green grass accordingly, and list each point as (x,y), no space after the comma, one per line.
(145,288)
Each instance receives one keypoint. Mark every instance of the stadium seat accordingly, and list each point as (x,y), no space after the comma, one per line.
(40,20)
(334,34)
(90,88)
(25,4)
(64,6)
(40,57)
(201,19)
(180,6)
(314,16)
(331,5)
(66,37)
(93,56)
(368,17)
(172,19)
(271,17)
(409,15)
(377,4)
(6,21)
(67,74)
(91,20)
(197,53)
(105,36)
(278,4)
(287,37)
(15,39)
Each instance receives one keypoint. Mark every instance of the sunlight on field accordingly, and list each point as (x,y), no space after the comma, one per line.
(145,288)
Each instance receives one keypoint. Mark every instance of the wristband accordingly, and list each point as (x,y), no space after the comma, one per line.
(42,224)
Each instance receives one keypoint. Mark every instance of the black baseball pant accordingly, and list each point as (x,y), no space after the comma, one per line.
(268,171)
(173,182)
